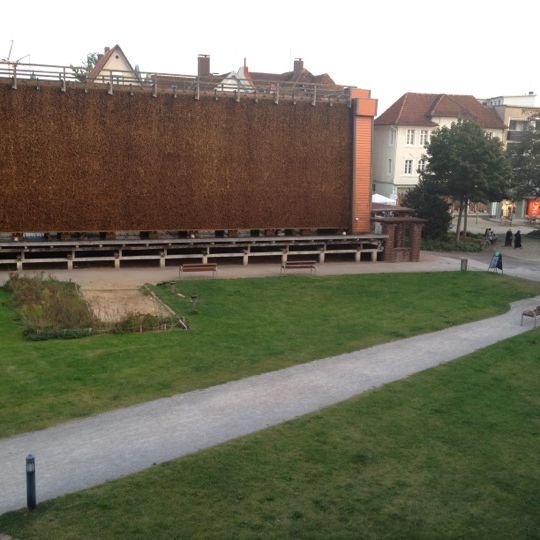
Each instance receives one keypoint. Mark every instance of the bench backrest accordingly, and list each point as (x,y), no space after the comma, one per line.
(201,266)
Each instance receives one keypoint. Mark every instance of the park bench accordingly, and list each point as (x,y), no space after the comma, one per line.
(198,267)
(298,265)
(534,313)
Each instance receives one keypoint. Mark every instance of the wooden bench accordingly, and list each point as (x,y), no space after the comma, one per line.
(198,267)
(534,313)
(298,265)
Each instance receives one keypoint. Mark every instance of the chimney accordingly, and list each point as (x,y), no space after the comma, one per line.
(298,66)
(203,68)
(107,49)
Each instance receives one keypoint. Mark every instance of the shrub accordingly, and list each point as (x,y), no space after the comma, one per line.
(428,204)
(49,304)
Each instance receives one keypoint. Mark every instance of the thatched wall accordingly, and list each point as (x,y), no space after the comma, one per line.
(94,162)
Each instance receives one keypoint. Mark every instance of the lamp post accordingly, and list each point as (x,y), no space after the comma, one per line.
(30,482)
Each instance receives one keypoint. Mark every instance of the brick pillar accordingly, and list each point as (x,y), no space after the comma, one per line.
(399,238)
(364,110)
(389,229)
(416,241)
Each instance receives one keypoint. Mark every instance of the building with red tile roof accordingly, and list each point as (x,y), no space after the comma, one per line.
(402,131)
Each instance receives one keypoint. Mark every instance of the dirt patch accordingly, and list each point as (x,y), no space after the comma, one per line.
(112,305)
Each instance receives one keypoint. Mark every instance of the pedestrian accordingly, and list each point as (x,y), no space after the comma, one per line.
(492,237)
(517,240)
(508,238)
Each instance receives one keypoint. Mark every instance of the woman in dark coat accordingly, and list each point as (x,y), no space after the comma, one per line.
(517,240)
(508,238)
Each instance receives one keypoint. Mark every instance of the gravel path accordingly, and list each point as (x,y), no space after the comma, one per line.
(84,453)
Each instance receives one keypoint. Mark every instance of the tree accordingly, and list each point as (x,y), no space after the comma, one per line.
(525,159)
(81,72)
(468,166)
(425,198)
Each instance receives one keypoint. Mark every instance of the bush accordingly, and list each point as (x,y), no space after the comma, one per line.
(428,204)
(43,335)
(141,322)
(48,304)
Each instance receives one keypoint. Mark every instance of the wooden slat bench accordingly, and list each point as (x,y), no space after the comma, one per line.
(198,267)
(534,313)
(298,265)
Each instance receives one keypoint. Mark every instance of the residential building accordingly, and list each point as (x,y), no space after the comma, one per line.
(516,112)
(519,114)
(402,131)
(113,63)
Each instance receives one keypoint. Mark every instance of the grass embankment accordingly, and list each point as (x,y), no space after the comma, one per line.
(243,327)
(448,453)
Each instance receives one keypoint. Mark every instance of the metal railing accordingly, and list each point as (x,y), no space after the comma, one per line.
(168,83)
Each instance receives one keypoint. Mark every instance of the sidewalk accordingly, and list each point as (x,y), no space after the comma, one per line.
(80,454)
(109,278)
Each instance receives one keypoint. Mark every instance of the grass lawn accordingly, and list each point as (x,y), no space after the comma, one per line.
(448,453)
(243,327)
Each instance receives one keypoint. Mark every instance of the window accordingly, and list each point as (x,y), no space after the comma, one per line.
(389,165)
(421,165)
(410,136)
(424,133)
(391,137)
(408,166)
(489,135)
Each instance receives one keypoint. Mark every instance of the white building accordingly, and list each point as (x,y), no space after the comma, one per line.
(403,130)
(113,65)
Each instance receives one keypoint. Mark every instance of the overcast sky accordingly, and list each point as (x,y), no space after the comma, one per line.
(478,47)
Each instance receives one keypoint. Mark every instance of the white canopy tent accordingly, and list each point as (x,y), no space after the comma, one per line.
(381,199)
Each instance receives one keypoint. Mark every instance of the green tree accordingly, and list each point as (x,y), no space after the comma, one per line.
(525,159)
(428,204)
(468,166)
(82,71)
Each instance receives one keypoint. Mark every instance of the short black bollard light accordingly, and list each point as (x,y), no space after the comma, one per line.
(30,482)
(194,300)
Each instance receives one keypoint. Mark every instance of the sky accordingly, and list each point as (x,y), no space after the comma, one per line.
(478,47)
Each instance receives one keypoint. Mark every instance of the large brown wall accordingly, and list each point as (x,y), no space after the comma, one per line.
(79,161)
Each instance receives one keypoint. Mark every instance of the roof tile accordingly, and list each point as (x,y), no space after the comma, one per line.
(413,109)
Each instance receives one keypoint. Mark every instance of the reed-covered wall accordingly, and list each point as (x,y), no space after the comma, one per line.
(79,161)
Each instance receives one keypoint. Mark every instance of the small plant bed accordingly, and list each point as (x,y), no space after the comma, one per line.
(52,309)
(470,244)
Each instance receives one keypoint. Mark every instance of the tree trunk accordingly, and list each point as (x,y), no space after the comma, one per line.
(458,225)
(465,217)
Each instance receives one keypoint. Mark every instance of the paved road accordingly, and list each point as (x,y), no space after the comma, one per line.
(80,454)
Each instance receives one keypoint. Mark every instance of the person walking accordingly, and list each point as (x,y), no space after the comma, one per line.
(517,240)
(508,238)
